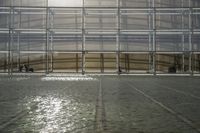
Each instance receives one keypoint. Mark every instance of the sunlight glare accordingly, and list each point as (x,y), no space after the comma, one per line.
(65,3)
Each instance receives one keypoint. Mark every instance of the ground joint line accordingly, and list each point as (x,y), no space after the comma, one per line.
(17,117)
(182,118)
(178,91)
(100,116)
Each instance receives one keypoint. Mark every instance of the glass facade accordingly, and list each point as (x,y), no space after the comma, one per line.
(100,36)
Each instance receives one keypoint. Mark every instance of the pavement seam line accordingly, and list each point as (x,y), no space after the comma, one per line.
(178,91)
(99,115)
(182,118)
(18,116)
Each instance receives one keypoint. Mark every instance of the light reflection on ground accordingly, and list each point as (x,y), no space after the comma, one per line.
(75,78)
(56,114)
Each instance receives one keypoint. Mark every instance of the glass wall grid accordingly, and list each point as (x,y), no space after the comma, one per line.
(115,36)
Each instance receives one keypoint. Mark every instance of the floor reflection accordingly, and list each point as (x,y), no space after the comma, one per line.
(75,78)
(55,114)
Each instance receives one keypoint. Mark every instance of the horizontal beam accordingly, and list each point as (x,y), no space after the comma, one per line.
(107,51)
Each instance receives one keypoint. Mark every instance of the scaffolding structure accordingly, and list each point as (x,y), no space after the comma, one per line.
(113,36)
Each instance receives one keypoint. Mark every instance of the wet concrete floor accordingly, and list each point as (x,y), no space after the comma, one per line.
(99,104)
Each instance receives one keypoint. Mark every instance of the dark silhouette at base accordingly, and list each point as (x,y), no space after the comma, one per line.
(172,69)
(119,70)
(25,68)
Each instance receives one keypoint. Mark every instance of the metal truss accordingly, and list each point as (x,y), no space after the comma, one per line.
(156,32)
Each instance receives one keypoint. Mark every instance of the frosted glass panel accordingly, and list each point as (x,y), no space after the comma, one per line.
(66,42)
(135,3)
(134,42)
(172,3)
(196,42)
(169,43)
(196,19)
(172,19)
(4,41)
(4,18)
(3,62)
(134,22)
(34,18)
(29,41)
(67,19)
(100,42)
(66,3)
(100,3)
(101,19)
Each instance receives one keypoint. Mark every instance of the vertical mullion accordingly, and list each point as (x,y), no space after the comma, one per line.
(19,43)
(150,33)
(102,62)
(190,38)
(12,39)
(9,51)
(51,19)
(77,62)
(118,36)
(52,51)
(183,38)
(18,48)
(154,38)
(77,59)
(28,39)
(10,42)
(47,38)
(83,37)
(128,58)
(190,41)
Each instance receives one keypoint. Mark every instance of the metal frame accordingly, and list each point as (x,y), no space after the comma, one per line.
(154,29)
